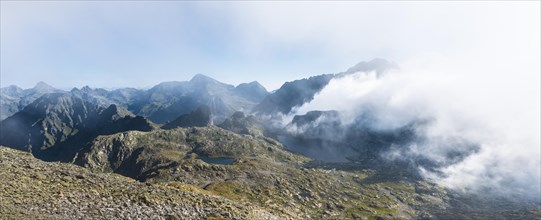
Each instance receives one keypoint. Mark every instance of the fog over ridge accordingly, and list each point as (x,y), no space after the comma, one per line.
(473,110)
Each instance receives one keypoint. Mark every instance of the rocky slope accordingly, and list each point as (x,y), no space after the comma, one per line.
(33,189)
(261,171)
(56,125)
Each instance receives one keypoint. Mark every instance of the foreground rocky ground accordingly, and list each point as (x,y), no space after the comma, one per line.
(33,189)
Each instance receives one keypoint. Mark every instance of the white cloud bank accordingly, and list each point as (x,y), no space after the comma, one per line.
(479,80)
(491,101)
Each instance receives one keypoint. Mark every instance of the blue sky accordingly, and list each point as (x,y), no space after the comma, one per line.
(139,44)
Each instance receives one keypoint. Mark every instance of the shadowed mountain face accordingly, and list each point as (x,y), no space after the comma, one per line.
(200,117)
(14,99)
(56,125)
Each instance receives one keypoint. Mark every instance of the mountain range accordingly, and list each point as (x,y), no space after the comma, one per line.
(161,103)
(168,100)
(219,151)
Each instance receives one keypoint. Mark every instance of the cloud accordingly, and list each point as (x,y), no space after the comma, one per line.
(487,110)
(484,92)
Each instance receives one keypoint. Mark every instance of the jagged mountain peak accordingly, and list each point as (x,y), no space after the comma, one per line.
(86,88)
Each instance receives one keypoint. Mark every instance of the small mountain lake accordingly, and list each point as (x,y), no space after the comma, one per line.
(217,160)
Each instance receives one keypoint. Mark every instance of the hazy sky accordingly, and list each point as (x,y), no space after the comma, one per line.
(139,44)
